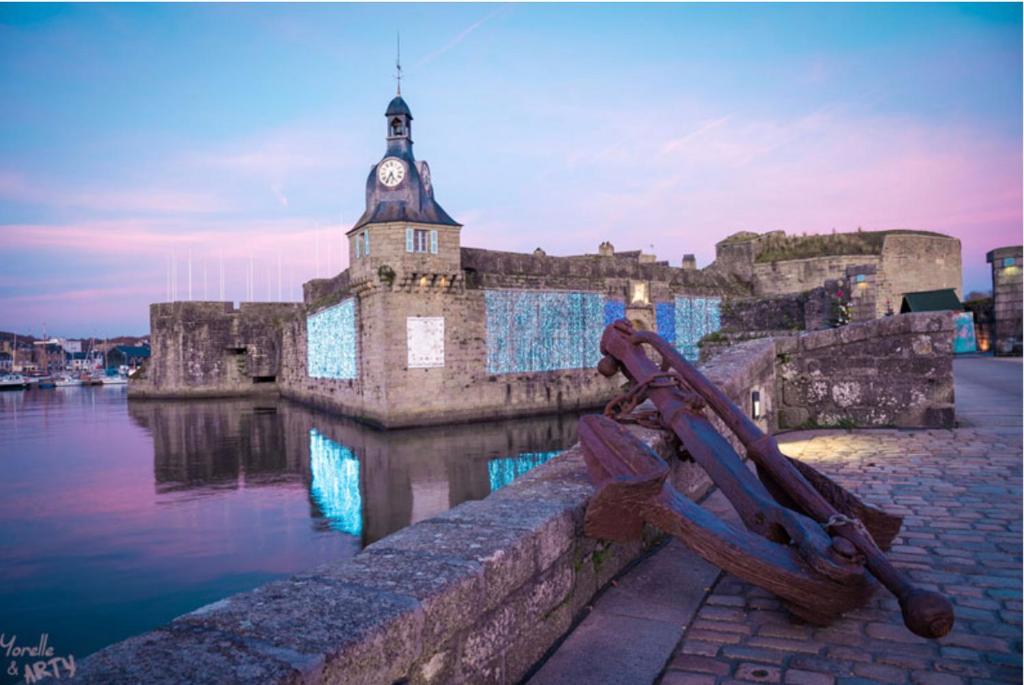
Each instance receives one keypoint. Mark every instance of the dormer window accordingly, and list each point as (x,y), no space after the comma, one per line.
(397,129)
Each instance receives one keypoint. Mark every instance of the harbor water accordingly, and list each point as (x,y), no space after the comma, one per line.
(117,516)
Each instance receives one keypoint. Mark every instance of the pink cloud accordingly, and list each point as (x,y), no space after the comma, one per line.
(16,187)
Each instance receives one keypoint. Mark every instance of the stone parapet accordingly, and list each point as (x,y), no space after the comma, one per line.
(895,371)
(478,594)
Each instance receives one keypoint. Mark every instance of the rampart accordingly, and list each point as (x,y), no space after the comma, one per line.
(890,264)
(386,390)
(211,349)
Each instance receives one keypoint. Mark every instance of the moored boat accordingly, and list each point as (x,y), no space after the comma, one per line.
(13,381)
(66,381)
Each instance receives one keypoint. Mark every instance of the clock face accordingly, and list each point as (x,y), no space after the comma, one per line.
(391,172)
(425,175)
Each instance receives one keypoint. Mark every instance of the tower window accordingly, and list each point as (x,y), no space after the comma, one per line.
(396,127)
(420,240)
(362,244)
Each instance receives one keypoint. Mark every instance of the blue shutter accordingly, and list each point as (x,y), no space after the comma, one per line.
(433,242)
(408,240)
(366,246)
(359,247)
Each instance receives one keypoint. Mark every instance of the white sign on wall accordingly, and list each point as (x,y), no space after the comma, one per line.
(425,341)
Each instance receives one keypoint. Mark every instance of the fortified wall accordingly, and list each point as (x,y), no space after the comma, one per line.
(484,335)
(212,349)
(873,269)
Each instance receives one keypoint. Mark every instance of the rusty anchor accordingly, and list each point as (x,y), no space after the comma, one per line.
(807,539)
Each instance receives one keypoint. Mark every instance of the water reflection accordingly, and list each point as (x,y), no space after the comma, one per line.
(116,517)
(335,486)
(361,481)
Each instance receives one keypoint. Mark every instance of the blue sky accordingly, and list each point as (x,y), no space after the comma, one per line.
(132,135)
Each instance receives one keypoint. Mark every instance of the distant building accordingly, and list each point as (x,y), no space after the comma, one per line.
(130,356)
(1007,293)
(5,362)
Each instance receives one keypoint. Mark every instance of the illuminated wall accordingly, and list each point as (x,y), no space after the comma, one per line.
(504,470)
(695,318)
(331,342)
(335,486)
(613,311)
(686,320)
(542,331)
(665,320)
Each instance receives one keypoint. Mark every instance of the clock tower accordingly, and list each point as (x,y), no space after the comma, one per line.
(403,231)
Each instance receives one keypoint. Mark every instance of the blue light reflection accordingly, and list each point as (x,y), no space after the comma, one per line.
(335,486)
(504,470)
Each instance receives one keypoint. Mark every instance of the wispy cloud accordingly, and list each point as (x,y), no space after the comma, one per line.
(460,36)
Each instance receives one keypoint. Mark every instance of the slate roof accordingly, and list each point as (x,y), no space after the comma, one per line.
(931,301)
(398,106)
(136,351)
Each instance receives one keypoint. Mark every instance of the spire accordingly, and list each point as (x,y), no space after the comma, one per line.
(398,61)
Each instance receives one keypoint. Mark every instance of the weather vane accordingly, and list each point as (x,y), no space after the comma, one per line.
(398,61)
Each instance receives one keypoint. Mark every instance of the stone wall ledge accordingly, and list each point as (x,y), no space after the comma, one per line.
(895,371)
(477,594)
(142,391)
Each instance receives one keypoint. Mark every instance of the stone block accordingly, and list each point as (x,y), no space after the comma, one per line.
(819,339)
(449,592)
(508,557)
(344,634)
(787,345)
(792,417)
(177,654)
(553,524)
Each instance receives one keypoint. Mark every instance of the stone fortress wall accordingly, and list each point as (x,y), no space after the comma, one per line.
(794,278)
(213,349)
(475,377)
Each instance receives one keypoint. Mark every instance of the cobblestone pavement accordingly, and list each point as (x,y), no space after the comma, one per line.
(960,494)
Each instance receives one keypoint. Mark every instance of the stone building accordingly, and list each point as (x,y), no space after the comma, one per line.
(1007,280)
(420,329)
(796,279)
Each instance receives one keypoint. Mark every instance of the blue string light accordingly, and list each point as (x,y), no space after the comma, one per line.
(331,342)
(530,331)
(695,317)
(613,311)
(665,320)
